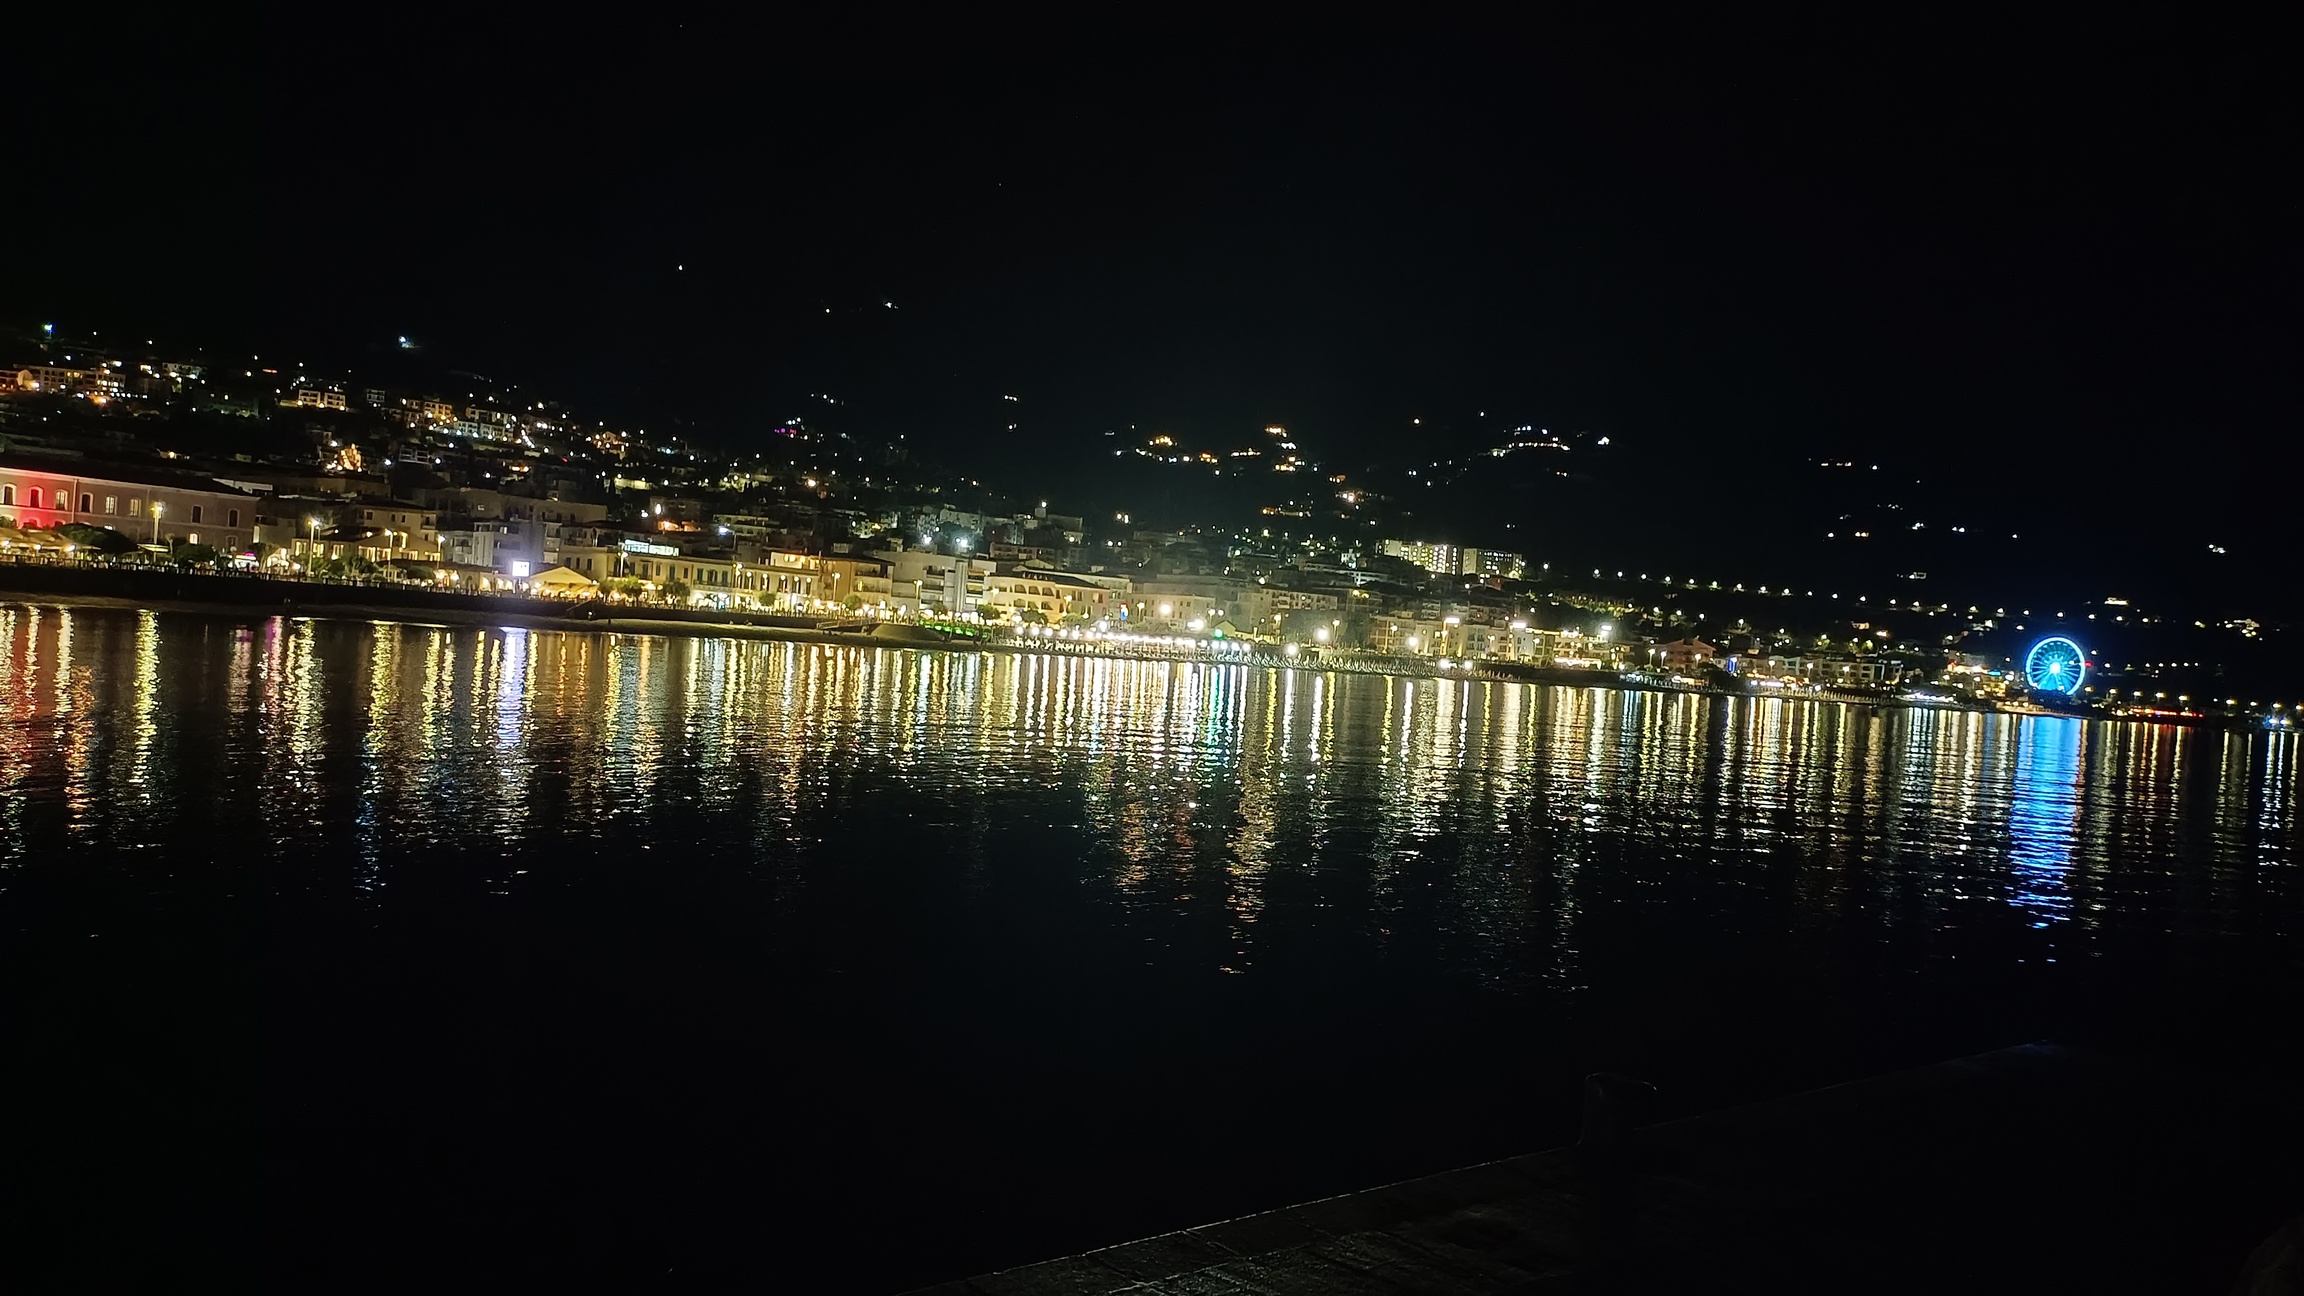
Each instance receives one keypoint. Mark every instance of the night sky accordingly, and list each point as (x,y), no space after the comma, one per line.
(2045,264)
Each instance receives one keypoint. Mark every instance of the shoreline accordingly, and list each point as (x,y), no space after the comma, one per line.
(700,628)
(669,623)
(428,607)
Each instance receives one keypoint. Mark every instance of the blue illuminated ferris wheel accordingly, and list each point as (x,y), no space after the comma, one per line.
(2055,665)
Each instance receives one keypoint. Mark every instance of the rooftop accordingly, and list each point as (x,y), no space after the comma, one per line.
(112,470)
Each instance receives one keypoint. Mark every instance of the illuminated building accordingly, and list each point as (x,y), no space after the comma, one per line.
(1058,598)
(1453,560)
(1493,562)
(54,379)
(148,508)
(1684,654)
(1439,559)
(1819,671)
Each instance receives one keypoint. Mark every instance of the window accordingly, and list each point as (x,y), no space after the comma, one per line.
(35,498)
(135,507)
(111,503)
(232,517)
(195,512)
(86,504)
(193,538)
(7,495)
(232,543)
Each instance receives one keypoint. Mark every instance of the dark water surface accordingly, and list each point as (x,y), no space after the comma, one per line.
(395,953)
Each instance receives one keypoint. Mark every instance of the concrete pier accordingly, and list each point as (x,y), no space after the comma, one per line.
(2031,1168)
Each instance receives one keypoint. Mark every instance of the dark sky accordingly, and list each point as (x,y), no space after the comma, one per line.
(2062,259)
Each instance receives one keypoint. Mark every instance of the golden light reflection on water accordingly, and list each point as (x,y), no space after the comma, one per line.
(1491,816)
(19,673)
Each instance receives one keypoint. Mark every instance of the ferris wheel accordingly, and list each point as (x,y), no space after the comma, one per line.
(2055,665)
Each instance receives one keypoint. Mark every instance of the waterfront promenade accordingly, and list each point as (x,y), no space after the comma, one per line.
(102,584)
(106,585)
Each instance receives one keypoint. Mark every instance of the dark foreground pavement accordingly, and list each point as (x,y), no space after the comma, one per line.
(2036,1168)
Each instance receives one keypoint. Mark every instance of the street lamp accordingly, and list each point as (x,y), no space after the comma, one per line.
(312,550)
(157,509)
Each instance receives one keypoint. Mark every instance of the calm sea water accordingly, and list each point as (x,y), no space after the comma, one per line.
(389,951)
